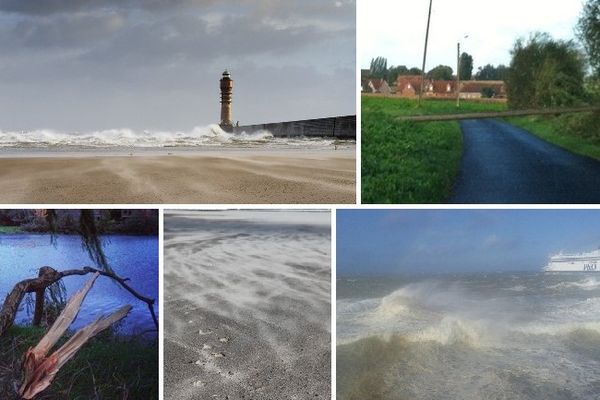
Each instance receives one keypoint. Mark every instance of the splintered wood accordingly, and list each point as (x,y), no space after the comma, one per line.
(38,368)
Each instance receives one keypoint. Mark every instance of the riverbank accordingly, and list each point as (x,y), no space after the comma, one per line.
(107,367)
(226,176)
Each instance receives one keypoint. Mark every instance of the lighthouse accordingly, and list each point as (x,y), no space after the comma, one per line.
(226,91)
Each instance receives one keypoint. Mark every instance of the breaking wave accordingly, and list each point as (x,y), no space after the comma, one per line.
(470,337)
(211,135)
(589,283)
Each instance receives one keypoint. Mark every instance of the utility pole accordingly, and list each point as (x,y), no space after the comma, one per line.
(425,53)
(458,74)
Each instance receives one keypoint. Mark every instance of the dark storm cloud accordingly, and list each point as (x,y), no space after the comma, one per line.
(89,52)
(47,7)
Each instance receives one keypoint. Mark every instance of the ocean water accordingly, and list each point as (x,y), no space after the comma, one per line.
(134,257)
(471,336)
(211,136)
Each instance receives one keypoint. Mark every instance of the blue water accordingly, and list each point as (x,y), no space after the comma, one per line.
(134,257)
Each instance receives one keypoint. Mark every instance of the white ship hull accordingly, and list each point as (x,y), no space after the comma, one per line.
(582,262)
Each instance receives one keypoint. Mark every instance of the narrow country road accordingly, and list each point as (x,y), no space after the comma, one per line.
(505,164)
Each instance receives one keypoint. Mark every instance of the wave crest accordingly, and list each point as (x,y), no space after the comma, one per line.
(124,137)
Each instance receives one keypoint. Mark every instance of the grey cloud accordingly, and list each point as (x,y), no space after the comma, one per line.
(311,8)
(47,7)
(140,64)
(72,30)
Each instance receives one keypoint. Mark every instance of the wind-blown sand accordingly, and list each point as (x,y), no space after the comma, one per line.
(249,176)
(247,305)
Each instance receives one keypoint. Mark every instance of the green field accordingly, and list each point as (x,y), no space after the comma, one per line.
(411,162)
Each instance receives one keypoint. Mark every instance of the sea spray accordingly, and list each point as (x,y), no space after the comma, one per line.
(124,137)
(205,136)
(469,336)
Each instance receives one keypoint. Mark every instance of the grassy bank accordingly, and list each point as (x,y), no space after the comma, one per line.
(105,368)
(579,133)
(408,162)
(9,230)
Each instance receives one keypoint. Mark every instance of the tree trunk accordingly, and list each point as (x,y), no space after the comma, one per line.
(47,276)
(39,304)
(39,307)
(39,369)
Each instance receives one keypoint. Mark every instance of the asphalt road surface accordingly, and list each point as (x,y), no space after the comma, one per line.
(505,164)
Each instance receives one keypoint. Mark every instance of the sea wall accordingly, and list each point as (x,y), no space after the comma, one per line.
(343,127)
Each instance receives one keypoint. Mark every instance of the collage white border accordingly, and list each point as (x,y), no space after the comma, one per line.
(333,208)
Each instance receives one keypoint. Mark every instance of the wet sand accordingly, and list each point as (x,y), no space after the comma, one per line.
(234,177)
(247,307)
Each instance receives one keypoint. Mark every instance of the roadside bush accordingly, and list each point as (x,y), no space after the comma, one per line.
(488,92)
(545,73)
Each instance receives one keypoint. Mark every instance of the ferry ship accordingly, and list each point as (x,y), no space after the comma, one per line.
(575,262)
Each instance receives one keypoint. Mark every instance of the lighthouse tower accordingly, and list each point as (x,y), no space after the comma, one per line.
(226,91)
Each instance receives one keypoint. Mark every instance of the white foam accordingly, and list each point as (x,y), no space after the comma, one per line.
(393,305)
(124,137)
(451,330)
(559,329)
(589,283)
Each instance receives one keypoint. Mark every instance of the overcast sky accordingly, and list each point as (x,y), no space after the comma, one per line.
(439,241)
(396,29)
(155,64)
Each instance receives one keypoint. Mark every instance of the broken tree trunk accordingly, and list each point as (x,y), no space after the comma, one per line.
(38,368)
(46,277)
(40,296)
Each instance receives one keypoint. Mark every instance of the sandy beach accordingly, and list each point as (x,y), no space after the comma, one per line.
(223,176)
(247,306)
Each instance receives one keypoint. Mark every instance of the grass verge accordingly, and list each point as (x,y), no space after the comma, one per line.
(107,367)
(578,133)
(9,229)
(410,162)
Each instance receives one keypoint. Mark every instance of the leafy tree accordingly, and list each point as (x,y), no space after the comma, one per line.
(488,92)
(466,66)
(415,71)
(545,72)
(588,30)
(393,73)
(441,72)
(491,73)
(379,67)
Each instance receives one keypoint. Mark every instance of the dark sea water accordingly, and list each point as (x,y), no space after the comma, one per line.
(477,336)
(134,257)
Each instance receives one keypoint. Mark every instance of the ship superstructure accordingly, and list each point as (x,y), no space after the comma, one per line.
(574,262)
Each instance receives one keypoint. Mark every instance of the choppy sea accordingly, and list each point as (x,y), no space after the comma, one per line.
(206,137)
(469,336)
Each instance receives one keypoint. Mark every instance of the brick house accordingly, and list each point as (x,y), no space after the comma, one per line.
(408,85)
(474,89)
(375,85)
